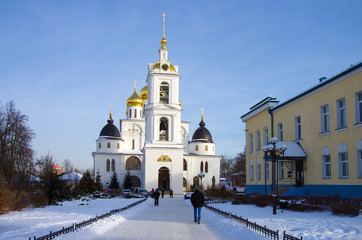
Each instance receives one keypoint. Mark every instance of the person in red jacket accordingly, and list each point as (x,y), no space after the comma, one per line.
(197,201)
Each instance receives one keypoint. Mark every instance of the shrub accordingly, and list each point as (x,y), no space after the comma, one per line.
(5,199)
(346,207)
(38,199)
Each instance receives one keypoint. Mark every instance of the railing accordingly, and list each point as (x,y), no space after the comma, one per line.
(263,230)
(290,237)
(76,226)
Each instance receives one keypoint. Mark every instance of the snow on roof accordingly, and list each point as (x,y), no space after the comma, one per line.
(73,176)
(294,150)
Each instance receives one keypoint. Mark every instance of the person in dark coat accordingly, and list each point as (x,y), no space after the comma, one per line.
(156,195)
(171,193)
(163,192)
(197,201)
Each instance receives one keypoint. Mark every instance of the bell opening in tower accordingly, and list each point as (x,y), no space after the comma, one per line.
(163,129)
(164,93)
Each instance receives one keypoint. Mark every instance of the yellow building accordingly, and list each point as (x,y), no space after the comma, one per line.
(321,129)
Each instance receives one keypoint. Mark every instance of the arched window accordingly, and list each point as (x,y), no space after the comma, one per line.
(197,148)
(206,167)
(108,165)
(185,183)
(99,145)
(130,113)
(113,165)
(196,181)
(202,166)
(108,145)
(133,143)
(206,148)
(133,163)
(185,165)
(163,129)
(164,93)
(117,145)
(136,182)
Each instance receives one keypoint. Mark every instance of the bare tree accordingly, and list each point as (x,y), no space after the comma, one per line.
(67,166)
(16,154)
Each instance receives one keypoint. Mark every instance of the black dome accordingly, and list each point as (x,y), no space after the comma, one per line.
(202,134)
(110,130)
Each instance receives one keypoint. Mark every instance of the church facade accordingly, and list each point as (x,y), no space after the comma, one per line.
(152,142)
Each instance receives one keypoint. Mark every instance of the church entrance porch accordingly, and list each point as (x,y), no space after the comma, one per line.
(164,178)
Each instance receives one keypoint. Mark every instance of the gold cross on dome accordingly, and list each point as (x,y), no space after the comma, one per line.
(202,113)
(110,110)
(163,25)
(135,82)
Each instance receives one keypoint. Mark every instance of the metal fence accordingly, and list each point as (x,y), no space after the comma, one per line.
(76,226)
(263,230)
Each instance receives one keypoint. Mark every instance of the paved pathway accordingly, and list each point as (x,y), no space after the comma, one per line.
(173,219)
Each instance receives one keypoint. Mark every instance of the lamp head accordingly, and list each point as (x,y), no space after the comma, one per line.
(274,140)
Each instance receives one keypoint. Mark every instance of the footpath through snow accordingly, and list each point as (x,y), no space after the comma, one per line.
(172,219)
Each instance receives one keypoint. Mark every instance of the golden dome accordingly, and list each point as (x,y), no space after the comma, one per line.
(134,100)
(144,93)
(158,66)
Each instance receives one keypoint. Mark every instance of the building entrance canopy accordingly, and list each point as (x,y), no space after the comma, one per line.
(294,151)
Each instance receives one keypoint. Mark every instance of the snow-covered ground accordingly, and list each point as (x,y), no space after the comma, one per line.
(40,221)
(312,225)
(174,214)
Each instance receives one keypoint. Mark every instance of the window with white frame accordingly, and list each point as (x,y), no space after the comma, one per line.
(343,161)
(359,107)
(326,162)
(324,118)
(341,113)
(251,143)
(251,172)
(259,170)
(281,170)
(267,171)
(280,132)
(359,158)
(257,141)
(266,137)
(298,128)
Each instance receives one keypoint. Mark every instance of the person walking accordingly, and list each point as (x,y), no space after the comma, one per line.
(171,193)
(197,201)
(163,192)
(156,195)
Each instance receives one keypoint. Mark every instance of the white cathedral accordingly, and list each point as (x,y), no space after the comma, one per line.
(153,142)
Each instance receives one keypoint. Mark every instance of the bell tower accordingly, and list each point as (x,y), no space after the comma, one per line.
(163,112)
(163,149)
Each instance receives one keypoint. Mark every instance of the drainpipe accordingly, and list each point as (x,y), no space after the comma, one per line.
(272,134)
(271,122)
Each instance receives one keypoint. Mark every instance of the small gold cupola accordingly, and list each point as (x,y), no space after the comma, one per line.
(134,99)
(144,93)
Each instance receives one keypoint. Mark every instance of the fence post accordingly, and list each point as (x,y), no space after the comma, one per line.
(229,215)
(73,227)
(278,234)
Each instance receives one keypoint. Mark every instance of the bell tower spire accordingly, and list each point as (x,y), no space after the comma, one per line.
(163,49)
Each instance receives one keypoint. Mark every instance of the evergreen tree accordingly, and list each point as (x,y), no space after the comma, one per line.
(99,182)
(114,181)
(127,183)
(86,184)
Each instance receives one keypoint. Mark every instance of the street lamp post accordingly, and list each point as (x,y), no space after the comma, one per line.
(274,151)
(201,175)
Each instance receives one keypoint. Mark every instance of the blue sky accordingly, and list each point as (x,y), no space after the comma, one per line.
(63,62)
